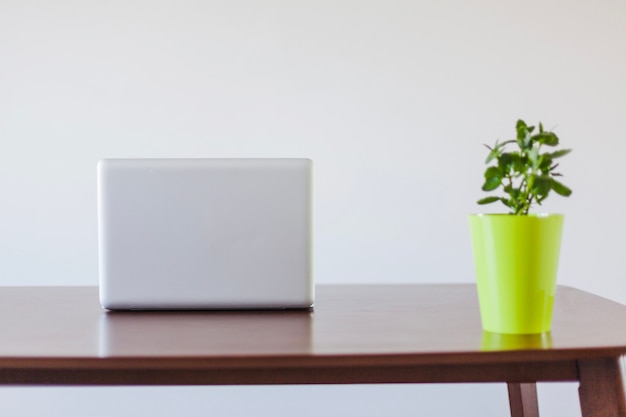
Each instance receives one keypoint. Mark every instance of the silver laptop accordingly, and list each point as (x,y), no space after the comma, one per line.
(205,233)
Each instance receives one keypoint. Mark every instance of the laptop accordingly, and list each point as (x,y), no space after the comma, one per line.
(205,233)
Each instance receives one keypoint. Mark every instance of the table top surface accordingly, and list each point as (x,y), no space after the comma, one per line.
(359,323)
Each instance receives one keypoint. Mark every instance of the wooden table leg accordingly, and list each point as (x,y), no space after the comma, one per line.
(602,389)
(523,400)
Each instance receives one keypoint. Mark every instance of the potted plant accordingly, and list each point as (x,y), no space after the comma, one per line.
(516,254)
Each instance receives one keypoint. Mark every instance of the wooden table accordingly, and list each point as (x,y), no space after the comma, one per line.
(355,334)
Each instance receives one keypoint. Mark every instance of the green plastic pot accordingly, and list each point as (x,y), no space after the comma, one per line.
(516,260)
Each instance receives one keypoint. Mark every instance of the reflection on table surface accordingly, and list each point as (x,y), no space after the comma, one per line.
(498,341)
(355,320)
(191,333)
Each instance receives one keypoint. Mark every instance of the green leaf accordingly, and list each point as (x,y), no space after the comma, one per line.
(525,174)
(492,183)
(522,133)
(496,150)
(518,163)
(527,142)
(506,202)
(546,138)
(542,186)
(488,200)
(493,172)
(505,162)
(492,155)
(560,153)
(545,161)
(512,191)
(561,189)
(533,156)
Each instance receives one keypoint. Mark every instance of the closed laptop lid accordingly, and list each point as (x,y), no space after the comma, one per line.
(205,233)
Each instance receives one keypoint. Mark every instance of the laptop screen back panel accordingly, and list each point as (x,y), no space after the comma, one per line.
(205,233)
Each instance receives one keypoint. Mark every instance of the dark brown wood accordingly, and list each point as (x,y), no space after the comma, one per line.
(355,334)
(368,323)
(523,400)
(602,388)
(193,372)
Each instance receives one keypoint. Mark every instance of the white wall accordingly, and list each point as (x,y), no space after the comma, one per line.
(392,99)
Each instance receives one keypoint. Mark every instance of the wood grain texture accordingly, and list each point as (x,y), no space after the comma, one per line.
(523,400)
(354,334)
(602,389)
(194,372)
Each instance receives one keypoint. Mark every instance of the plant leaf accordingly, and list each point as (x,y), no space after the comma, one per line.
(542,186)
(492,183)
(493,153)
(546,138)
(560,188)
(506,162)
(526,175)
(496,150)
(560,153)
(493,172)
(522,134)
(533,156)
(506,202)
(488,200)
(518,163)
(545,161)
